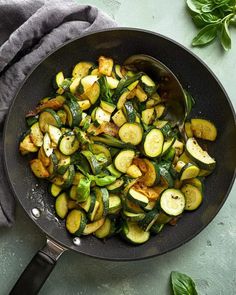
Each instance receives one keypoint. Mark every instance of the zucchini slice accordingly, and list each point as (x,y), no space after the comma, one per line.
(74,85)
(59,78)
(105,65)
(160,110)
(189,171)
(107,106)
(150,206)
(198,155)
(63,164)
(84,105)
(133,233)
(68,143)
(122,99)
(112,83)
(166,177)
(133,216)
(26,146)
(77,178)
(81,69)
(49,117)
(101,116)
(169,154)
(172,202)
(61,205)
(149,219)
(195,182)
(111,168)
(137,198)
(156,228)
(148,85)
(38,169)
(117,70)
(114,204)
(73,192)
(141,94)
(124,160)
(188,130)
(204,129)
(54,134)
(105,230)
(116,186)
(76,222)
(152,176)
(47,145)
(133,171)
(55,190)
(73,111)
(68,177)
(193,197)
(132,207)
(129,111)
(93,212)
(119,118)
(148,116)
(93,93)
(52,168)
(89,204)
(163,218)
(36,135)
(97,148)
(153,143)
(95,165)
(131,133)
(86,83)
(94,226)
(102,196)
(167,145)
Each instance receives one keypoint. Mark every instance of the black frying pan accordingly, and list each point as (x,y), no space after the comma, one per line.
(211,102)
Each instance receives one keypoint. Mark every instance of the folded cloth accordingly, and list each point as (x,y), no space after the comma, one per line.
(29,30)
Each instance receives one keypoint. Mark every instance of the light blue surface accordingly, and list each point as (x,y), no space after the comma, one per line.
(209,258)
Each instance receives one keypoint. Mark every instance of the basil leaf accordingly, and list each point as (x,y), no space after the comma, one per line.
(225,35)
(199,21)
(83,189)
(103,181)
(202,20)
(205,35)
(196,5)
(233,20)
(210,18)
(182,284)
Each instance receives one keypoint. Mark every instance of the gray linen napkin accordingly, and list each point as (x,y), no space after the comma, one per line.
(29,30)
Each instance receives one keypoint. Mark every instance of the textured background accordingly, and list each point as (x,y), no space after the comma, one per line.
(209,258)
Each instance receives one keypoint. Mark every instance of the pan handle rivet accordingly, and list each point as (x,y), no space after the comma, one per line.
(76,241)
(35,212)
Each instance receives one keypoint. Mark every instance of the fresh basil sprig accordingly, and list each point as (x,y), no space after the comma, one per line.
(214,18)
(182,284)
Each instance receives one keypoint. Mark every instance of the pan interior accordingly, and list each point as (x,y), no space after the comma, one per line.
(211,103)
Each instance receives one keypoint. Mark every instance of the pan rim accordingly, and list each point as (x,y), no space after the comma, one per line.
(90,34)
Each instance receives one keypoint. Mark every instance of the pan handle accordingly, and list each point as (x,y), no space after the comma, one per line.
(38,270)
